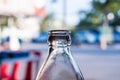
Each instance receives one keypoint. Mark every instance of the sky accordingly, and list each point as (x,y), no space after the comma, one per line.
(52,6)
(72,9)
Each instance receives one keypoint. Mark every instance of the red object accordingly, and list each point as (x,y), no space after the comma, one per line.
(16,69)
(40,11)
(36,53)
(29,66)
(4,69)
(29,69)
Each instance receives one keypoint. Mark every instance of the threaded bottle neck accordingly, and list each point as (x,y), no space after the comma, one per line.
(59,38)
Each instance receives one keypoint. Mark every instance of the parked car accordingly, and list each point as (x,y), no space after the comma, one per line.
(7,39)
(40,38)
(80,36)
(87,36)
(116,37)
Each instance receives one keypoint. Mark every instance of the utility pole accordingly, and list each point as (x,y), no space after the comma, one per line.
(64,12)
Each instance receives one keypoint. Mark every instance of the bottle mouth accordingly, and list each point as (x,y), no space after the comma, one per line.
(59,32)
(59,35)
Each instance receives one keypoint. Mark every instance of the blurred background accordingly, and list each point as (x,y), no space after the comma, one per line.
(95,34)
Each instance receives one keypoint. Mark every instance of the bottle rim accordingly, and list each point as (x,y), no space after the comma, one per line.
(59,31)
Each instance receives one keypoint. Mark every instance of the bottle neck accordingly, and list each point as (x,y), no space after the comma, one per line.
(59,41)
(59,45)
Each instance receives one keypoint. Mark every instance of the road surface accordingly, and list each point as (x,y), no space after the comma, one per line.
(95,64)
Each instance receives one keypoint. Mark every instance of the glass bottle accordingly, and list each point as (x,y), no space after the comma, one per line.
(60,64)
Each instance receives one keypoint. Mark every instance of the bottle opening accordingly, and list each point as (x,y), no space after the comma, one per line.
(57,35)
(59,32)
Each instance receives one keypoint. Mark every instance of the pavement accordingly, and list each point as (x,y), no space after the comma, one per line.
(95,63)
(38,46)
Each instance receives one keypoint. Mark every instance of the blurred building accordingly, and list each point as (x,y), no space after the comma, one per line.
(26,16)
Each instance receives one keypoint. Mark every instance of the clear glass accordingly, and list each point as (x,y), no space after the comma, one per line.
(60,64)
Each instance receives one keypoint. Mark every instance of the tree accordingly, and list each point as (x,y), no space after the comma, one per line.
(45,23)
(100,8)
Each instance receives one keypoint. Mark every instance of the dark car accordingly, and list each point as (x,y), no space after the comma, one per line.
(116,37)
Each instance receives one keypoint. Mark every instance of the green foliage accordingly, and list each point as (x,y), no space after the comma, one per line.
(108,6)
(4,22)
(44,25)
(100,9)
